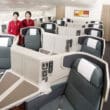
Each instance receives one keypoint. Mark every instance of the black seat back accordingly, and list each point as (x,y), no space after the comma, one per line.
(94,32)
(60,22)
(5,52)
(97,22)
(93,46)
(84,87)
(49,27)
(99,26)
(32,38)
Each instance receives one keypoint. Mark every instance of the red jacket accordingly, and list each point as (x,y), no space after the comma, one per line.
(14,27)
(26,23)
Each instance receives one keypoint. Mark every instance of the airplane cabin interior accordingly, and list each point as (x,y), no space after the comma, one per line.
(54,55)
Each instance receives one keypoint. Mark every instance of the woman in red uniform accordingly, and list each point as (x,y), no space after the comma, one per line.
(27,21)
(14,25)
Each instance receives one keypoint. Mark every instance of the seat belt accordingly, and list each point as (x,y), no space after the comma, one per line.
(60,105)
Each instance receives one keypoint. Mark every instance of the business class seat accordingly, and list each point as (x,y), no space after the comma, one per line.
(32,38)
(67,20)
(49,27)
(94,32)
(50,19)
(94,22)
(41,20)
(98,26)
(60,22)
(83,90)
(6,42)
(92,46)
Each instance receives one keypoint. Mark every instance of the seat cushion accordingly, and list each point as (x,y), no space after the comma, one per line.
(6,41)
(54,105)
(93,43)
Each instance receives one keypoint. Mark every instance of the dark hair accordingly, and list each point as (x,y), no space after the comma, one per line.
(28,12)
(16,13)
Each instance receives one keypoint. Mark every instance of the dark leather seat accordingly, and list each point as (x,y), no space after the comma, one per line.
(49,27)
(5,52)
(94,32)
(82,91)
(98,22)
(93,46)
(98,26)
(32,38)
(60,22)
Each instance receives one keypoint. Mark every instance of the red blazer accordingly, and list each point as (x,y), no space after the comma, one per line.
(26,23)
(14,27)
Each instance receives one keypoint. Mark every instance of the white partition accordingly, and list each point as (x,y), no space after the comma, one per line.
(70,31)
(27,62)
(32,66)
(56,43)
(67,31)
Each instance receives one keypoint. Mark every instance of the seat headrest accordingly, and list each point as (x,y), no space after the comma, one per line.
(93,43)
(6,41)
(59,22)
(95,26)
(32,32)
(90,71)
(49,26)
(96,22)
(94,32)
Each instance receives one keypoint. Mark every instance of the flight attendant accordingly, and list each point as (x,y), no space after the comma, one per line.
(14,25)
(28,21)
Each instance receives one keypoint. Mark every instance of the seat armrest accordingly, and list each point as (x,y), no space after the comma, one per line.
(37,102)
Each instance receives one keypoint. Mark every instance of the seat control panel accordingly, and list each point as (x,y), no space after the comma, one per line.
(47,68)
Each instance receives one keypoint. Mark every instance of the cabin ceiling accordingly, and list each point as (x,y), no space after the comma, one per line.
(6,5)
